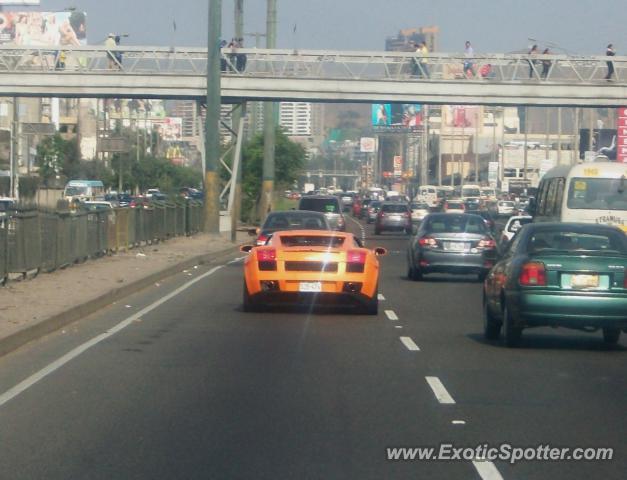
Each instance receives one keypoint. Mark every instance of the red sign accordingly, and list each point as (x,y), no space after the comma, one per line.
(621,141)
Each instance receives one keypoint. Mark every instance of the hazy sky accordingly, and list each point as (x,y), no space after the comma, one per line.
(578,26)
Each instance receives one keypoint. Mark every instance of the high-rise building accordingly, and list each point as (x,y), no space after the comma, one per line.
(402,42)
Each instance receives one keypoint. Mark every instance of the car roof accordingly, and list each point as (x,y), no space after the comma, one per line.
(308,213)
(317,233)
(572,226)
(321,197)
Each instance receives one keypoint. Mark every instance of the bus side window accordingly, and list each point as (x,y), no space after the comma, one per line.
(551,198)
(559,196)
(542,197)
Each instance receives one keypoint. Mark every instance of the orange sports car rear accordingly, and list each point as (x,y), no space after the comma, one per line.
(311,266)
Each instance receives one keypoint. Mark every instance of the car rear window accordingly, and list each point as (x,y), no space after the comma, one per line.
(395,208)
(287,221)
(416,205)
(455,204)
(455,224)
(311,241)
(330,205)
(564,240)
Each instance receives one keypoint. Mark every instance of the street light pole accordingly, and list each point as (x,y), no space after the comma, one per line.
(212,123)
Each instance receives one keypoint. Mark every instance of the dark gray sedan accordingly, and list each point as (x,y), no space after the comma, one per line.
(451,243)
(393,216)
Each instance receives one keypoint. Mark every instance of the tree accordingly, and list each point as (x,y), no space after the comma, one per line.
(57,156)
(289,161)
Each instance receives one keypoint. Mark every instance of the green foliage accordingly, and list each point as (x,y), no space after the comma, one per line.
(57,156)
(28,187)
(289,161)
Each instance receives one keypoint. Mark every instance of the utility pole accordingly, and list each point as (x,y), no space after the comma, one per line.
(269,128)
(559,135)
(526,149)
(212,124)
(238,113)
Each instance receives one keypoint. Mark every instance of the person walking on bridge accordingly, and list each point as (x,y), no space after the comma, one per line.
(546,64)
(423,51)
(111,45)
(532,62)
(469,66)
(610,52)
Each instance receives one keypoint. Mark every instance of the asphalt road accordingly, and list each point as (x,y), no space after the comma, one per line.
(190,387)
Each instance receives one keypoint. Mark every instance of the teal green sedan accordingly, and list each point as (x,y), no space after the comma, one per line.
(570,275)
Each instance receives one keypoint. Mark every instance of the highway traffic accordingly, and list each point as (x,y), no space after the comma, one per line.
(180,382)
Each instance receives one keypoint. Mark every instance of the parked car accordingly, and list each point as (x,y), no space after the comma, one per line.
(393,216)
(290,220)
(419,210)
(451,243)
(373,210)
(513,225)
(559,274)
(454,206)
(505,207)
(327,204)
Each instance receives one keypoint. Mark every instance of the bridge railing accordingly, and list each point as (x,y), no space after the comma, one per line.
(316,64)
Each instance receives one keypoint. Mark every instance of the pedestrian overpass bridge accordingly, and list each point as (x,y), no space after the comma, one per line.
(314,76)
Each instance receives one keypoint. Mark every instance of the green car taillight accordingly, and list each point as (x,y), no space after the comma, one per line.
(532,274)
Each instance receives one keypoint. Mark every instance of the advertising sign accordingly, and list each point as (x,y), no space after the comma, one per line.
(367,145)
(170,129)
(396,116)
(398,165)
(604,142)
(621,134)
(43,29)
(462,116)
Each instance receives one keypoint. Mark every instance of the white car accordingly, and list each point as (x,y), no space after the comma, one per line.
(419,210)
(454,206)
(514,224)
(505,207)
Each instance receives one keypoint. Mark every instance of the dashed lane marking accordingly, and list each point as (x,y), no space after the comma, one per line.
(381,297)
(361,229)
(409,344)
(391,315)
(487,470)
(440,392)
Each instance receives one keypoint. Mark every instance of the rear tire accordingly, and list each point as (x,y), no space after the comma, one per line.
(512,333)
(372,306)
(491,326)
(247,303)
(611,335)
(413,273)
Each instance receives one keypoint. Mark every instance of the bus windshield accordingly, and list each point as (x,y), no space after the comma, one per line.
(75,191)
(597,194)
(471,192)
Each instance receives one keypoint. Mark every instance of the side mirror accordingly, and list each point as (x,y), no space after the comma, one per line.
(246,248)
(253,232)
(379,251)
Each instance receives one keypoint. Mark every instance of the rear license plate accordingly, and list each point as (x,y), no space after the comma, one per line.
(310,287)
(456,246)
(584,281)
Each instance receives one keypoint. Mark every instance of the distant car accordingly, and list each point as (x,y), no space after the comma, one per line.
(454,206)
(373,210)
(559,274)
(365,204)
(291,220)
(7,206)
(327,204)
(96,206)
(311,267)
(393,216)
(139,202)
(505,207)
(472,204)
(451,243)
(347,199)
(419,210)
(513,225)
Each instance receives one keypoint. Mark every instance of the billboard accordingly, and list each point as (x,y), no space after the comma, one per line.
(43,29)
(396,116)
(135,108)
(462,116)
(621,136)
(603,142)
(367,145)
(170,129)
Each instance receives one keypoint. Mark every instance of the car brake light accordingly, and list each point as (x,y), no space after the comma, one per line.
(486,243)
(355,261)
(533,274)
(266,254)
(262,239)
(428,242)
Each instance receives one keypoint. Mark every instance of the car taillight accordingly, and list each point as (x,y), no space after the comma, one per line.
(486,243)
(261,239)
(533,274)
(267,259)
(355,261)
(427,242)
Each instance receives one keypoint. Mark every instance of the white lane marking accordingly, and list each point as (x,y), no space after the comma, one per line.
(361,228)
(52,367)
(235,260)
(439,390)
(391,315)
(409,343)
(398,326)
(381,297)
(487,470)
(459,422)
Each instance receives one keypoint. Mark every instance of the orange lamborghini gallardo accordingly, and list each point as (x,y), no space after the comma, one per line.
(312,266)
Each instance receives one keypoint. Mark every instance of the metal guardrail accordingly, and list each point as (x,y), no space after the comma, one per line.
(46,240)
(317,64)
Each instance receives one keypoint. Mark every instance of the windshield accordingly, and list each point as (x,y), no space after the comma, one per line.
(75,191)
(597,194)
(320,205)
(311,241)
(561,240)
(471,192)
(293,221)
(417,205)
(455,224)
(394,208)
